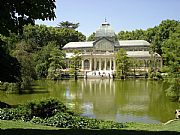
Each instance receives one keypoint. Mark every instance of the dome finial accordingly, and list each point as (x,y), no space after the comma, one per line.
(105,19)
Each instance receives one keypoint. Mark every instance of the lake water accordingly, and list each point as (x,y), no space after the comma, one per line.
(117,100)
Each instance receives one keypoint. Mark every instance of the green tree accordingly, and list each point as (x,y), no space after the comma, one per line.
(49,60)
(75,63)
(41,58)
(171,49)
(64,36)
(57,63)
(125,35)
(9,68)
(23,54)
(16,13)
(122,63)
(134,64)
(69,25)
(92,37)
(41,35)
(162,33)
(150,34)
(37,35)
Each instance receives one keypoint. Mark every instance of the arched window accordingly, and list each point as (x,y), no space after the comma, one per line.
(86,64)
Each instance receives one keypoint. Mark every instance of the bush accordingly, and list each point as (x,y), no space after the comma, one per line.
(15,114)
(4,105)
(51,112)
(65,120)
(9,87)
(45,108)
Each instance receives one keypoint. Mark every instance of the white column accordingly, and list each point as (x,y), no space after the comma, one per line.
(105,64)
(99,64)
(82,66)
(90,61)
(110,66)
(95,63)
(114,64)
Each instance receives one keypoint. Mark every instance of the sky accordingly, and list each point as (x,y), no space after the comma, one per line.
(126,15)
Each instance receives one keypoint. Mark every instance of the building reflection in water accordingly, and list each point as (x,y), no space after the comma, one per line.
(118,100)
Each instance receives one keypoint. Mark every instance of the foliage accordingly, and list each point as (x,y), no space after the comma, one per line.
(4,105)
(65,120)
(51,112)
(33,47)
(171,49)
(15,14)
(49,60)
(91,37)
(75,60)
(65,35)
(131,35)
(156,36)
(45,108)
(42,109)
(155,75)
(37,35)
(15,114)
(174,89)
(41,59)
(122,63)
(162,33)
(9,87)
(10,68)
(69,25)
(41,35)
(57,63)
(75,63)
(23,53)
(134,64)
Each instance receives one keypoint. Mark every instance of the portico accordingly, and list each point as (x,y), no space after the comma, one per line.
(98,64)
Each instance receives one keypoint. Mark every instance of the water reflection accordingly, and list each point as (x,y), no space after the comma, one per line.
(122,101)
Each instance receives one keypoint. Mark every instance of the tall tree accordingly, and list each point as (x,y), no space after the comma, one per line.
(122,63)
(162,33)
(41,35)
(16,13)
(23,53)
(57,62)
(9,68)
(171,49)
(75,62)
(69,25)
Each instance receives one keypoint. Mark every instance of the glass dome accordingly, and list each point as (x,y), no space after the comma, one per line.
(105,30)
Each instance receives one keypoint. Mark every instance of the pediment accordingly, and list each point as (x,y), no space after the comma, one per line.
(103,44)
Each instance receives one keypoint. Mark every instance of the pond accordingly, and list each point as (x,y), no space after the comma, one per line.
(117,100)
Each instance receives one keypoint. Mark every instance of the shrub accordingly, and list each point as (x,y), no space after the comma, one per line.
(9,87)
(51,112)
(4,105)
(14,114)
(45,108)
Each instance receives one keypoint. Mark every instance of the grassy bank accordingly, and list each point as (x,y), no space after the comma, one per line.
(50,116)
(26,128)
(173,126)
